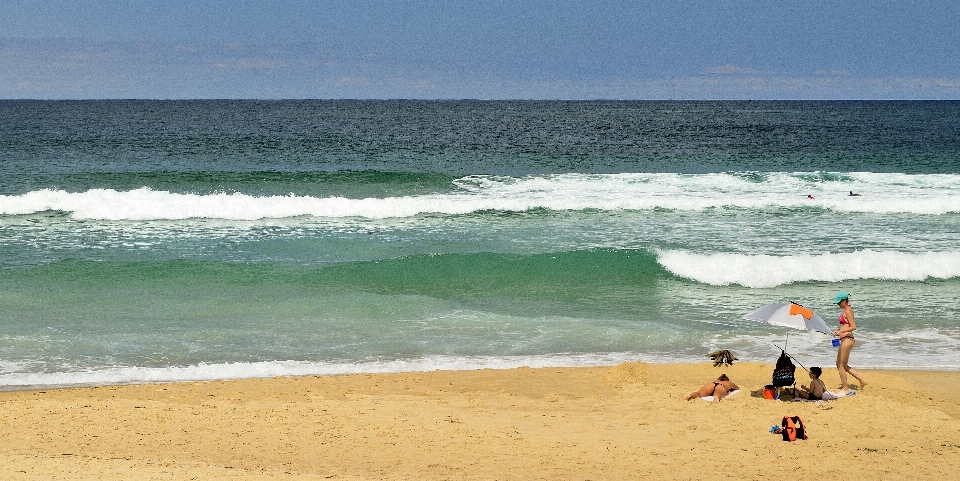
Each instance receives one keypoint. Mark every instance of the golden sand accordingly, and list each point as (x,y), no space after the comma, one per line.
(605,423)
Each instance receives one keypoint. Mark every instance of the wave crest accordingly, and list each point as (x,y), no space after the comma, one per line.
(763,271)
(881,193)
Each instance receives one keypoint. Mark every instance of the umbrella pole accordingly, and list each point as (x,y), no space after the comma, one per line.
(784,349)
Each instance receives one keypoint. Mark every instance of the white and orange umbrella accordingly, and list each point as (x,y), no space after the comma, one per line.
(790,314)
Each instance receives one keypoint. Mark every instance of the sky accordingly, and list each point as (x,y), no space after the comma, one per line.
(318,49)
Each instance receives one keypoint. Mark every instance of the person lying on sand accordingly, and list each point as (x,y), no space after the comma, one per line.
(719,389)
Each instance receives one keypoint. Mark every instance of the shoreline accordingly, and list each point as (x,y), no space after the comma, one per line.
(344,372)
(607,422)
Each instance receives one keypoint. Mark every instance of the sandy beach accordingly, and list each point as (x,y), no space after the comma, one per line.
(602,423)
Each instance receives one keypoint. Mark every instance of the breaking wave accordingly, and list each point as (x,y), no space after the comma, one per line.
(879,193)
(763,271)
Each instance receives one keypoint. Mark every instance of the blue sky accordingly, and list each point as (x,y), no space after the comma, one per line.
(480,49)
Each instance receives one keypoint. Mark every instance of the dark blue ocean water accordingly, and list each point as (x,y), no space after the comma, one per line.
(172,240)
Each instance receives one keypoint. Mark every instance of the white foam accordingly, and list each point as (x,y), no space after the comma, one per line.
(882,193)
(911,349)
(268,369)
(761,271)
(920,349)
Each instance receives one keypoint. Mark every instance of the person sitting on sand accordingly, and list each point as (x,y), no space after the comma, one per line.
(719,389)
(817,387)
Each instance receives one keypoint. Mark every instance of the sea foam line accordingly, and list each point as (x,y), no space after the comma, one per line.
(267,369)
(911,349)
(764,271)
(881,193)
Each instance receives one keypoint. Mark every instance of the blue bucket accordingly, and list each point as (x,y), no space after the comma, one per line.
(836,342)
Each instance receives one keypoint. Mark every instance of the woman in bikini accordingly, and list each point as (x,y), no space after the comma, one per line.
(719,389)
(848,324)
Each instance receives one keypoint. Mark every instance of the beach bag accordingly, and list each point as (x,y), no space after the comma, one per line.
(783,372)
(793,428)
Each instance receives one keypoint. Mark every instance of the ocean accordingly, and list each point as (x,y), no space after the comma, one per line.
(155,241)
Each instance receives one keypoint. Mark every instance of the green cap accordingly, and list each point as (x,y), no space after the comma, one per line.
(841,296)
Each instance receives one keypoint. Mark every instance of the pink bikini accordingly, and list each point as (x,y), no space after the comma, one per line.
(843,322)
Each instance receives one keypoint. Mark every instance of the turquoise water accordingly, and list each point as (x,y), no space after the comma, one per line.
(155,241)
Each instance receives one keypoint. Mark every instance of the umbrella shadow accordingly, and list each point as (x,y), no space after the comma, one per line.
(758,393)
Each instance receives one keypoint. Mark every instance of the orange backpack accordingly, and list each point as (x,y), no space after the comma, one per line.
(793,428)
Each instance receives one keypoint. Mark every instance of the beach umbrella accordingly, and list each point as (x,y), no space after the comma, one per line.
(790,314)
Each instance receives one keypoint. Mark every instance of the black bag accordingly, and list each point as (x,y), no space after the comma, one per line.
(783,372)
